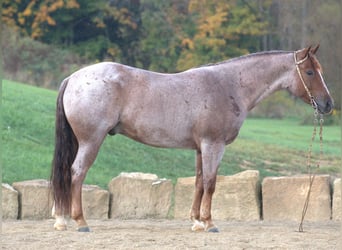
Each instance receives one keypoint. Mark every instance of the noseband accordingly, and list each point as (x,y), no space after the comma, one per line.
(312,100)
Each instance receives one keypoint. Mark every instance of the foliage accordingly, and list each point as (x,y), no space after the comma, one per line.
(274,147)
(98,30)
(278,106)
(105,25)
(224,30)
(35,62)
(309,118)
(309,22)
(160,48)
(170,35)
(33,18)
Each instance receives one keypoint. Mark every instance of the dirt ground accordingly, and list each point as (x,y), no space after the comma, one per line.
(170,234)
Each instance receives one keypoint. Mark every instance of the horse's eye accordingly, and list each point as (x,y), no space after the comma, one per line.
(309,72)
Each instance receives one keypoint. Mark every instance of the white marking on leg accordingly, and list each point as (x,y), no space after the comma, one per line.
(53,211)
(198,226)
(60,223)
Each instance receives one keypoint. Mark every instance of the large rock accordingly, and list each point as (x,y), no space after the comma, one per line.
(10,203)
(35,199)
(337,207)
(139,195)
(236,197)
(184,194)
(283,198)
(95,202)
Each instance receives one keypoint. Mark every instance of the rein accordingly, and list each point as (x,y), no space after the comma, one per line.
(314,132)
(312,175)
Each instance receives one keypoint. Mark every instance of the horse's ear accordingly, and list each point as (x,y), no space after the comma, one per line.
(314,50)
(307,50)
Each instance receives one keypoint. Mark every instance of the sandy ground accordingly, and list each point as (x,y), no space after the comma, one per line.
(170,234)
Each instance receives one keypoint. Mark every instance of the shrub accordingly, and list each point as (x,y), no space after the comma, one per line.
(33,62)
(333,119)
(276,106)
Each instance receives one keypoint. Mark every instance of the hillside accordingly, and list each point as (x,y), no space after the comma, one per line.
(274,147)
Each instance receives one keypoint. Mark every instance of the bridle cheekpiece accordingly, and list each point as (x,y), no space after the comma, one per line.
(312,100)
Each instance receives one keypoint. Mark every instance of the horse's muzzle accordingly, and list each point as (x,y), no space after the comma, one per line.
(325,107)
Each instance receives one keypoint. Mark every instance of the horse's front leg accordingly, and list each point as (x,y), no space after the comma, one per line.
(212,153)
(196,204)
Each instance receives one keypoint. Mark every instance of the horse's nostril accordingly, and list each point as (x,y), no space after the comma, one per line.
(329,106)
(325,107)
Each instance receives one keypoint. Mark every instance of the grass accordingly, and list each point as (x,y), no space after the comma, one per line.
(274,147)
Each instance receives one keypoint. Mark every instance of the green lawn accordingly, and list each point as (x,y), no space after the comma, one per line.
(274,147)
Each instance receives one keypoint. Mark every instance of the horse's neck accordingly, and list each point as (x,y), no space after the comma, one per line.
(259,76)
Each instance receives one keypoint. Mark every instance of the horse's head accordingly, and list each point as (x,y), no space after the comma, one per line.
(310,85)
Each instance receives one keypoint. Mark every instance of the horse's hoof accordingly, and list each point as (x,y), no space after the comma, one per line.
(60,223)
(213,230)
(198,226)
(83,229)
(60,227)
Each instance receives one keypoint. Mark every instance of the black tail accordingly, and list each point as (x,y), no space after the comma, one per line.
(66,147)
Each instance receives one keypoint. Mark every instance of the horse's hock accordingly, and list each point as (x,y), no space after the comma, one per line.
(283,198)
(236,197)
(139,195)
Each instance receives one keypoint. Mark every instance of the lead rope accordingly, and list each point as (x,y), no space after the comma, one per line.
(321,121)
(312,175)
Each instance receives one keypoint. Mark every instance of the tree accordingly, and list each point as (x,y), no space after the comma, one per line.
(175,35)
(96,30)
(163,23)
(33,18)
(100,30)
(301,24)
(223,29)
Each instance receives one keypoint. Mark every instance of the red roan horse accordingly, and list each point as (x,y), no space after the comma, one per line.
(201,109)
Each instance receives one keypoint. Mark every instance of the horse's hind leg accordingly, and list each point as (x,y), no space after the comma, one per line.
(85,157)
(86,154)
(60,223)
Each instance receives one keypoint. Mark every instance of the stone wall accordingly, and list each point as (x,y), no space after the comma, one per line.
(10,202)
(32,200)
(283,198)
(35,201)
(337,206)
(236,197)
(138,195)
(239,197)
(95,202)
